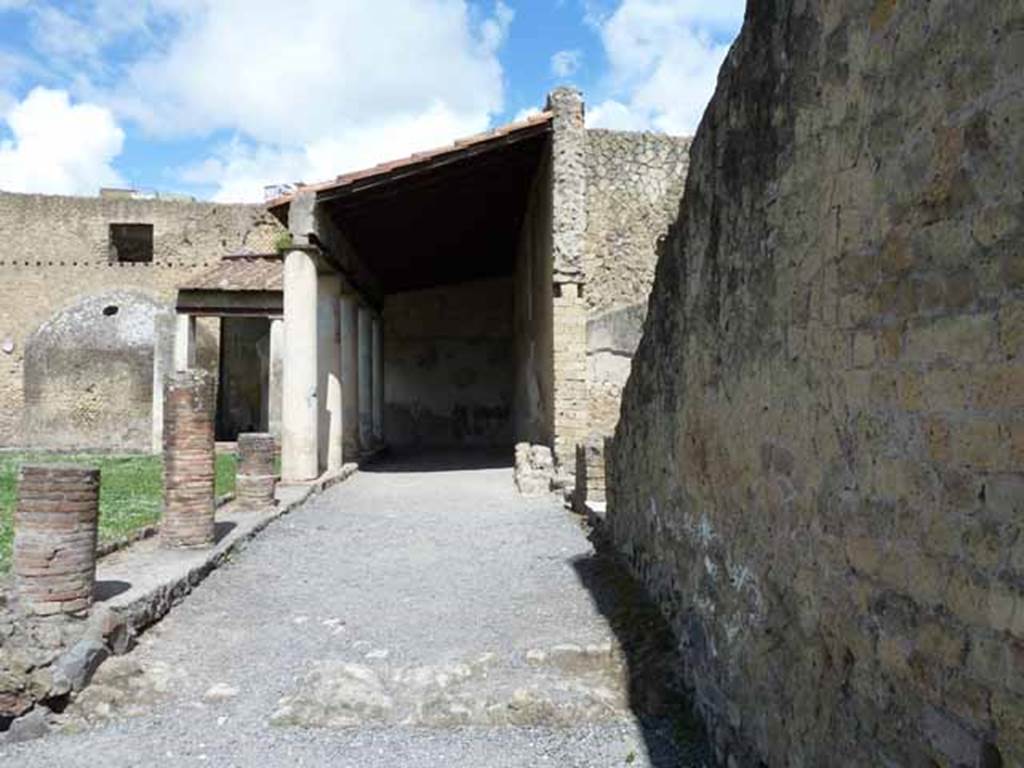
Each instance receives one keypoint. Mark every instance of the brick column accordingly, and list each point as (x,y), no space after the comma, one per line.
(55,538)
(254,486)
(188,460)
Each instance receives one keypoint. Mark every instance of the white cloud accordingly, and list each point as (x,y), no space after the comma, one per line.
(305,89)
(664,59)
(240,169)
(59,147)
(525,113)
(312,88)
(566,63)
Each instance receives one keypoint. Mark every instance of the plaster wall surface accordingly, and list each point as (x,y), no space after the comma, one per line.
(533,416)
(819,470)
(55,265)
(448,365)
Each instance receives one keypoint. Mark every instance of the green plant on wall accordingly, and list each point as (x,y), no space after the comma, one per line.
(283,241)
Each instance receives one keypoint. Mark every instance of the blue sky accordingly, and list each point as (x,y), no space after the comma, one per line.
(218,98)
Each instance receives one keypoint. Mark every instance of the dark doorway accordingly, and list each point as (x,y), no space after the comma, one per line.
(243,392)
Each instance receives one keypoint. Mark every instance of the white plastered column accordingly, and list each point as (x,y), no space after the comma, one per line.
(329,355)
(378,381)
(185,342)
(299,416)
(365,377)
(276,372)
(350,376)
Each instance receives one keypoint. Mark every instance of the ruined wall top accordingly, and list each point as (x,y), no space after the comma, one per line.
(569,181)
(633,185)
(53,228)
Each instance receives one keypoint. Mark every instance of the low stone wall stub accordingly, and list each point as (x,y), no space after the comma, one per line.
(535,469)
(55,538)
(189,469)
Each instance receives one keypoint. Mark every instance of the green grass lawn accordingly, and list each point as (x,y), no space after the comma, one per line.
(131,491)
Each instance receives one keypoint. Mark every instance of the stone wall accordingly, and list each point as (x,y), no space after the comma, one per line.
(88,371)
(819,471)
(56,280)
(634,182)
(448,365)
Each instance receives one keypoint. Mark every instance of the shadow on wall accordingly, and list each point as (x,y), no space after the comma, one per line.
(673,732)
(88,375)
(441,460)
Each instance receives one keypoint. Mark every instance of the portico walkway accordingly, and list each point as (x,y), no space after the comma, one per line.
(421,614)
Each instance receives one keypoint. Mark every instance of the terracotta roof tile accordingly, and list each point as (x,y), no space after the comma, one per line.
(241,273)
(418,157)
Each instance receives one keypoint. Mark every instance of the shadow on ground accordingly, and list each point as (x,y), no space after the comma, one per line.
(440,460)
(221,529)
(673,732)
(106,589)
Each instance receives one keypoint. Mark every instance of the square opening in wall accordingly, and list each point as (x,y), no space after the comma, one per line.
(131,243)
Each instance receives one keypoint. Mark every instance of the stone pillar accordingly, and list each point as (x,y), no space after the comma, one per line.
(254,484)
(329,354)
(568,184)
(188,460)
(569,359)
(378,381)
(569,312)
(55,538)
(299,432)
(275,404)
(350,376)
(365,377)
(185,342)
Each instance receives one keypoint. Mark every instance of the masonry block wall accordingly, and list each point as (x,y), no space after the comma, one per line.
(819,470)
(78,331)
(613,196)
(634,182)
(570,371)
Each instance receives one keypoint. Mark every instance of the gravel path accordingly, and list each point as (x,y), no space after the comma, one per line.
(416,615)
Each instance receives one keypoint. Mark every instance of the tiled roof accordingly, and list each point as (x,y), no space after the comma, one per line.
(241,273)
(425,159)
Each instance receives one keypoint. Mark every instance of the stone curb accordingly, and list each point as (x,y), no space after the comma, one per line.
(146,532)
